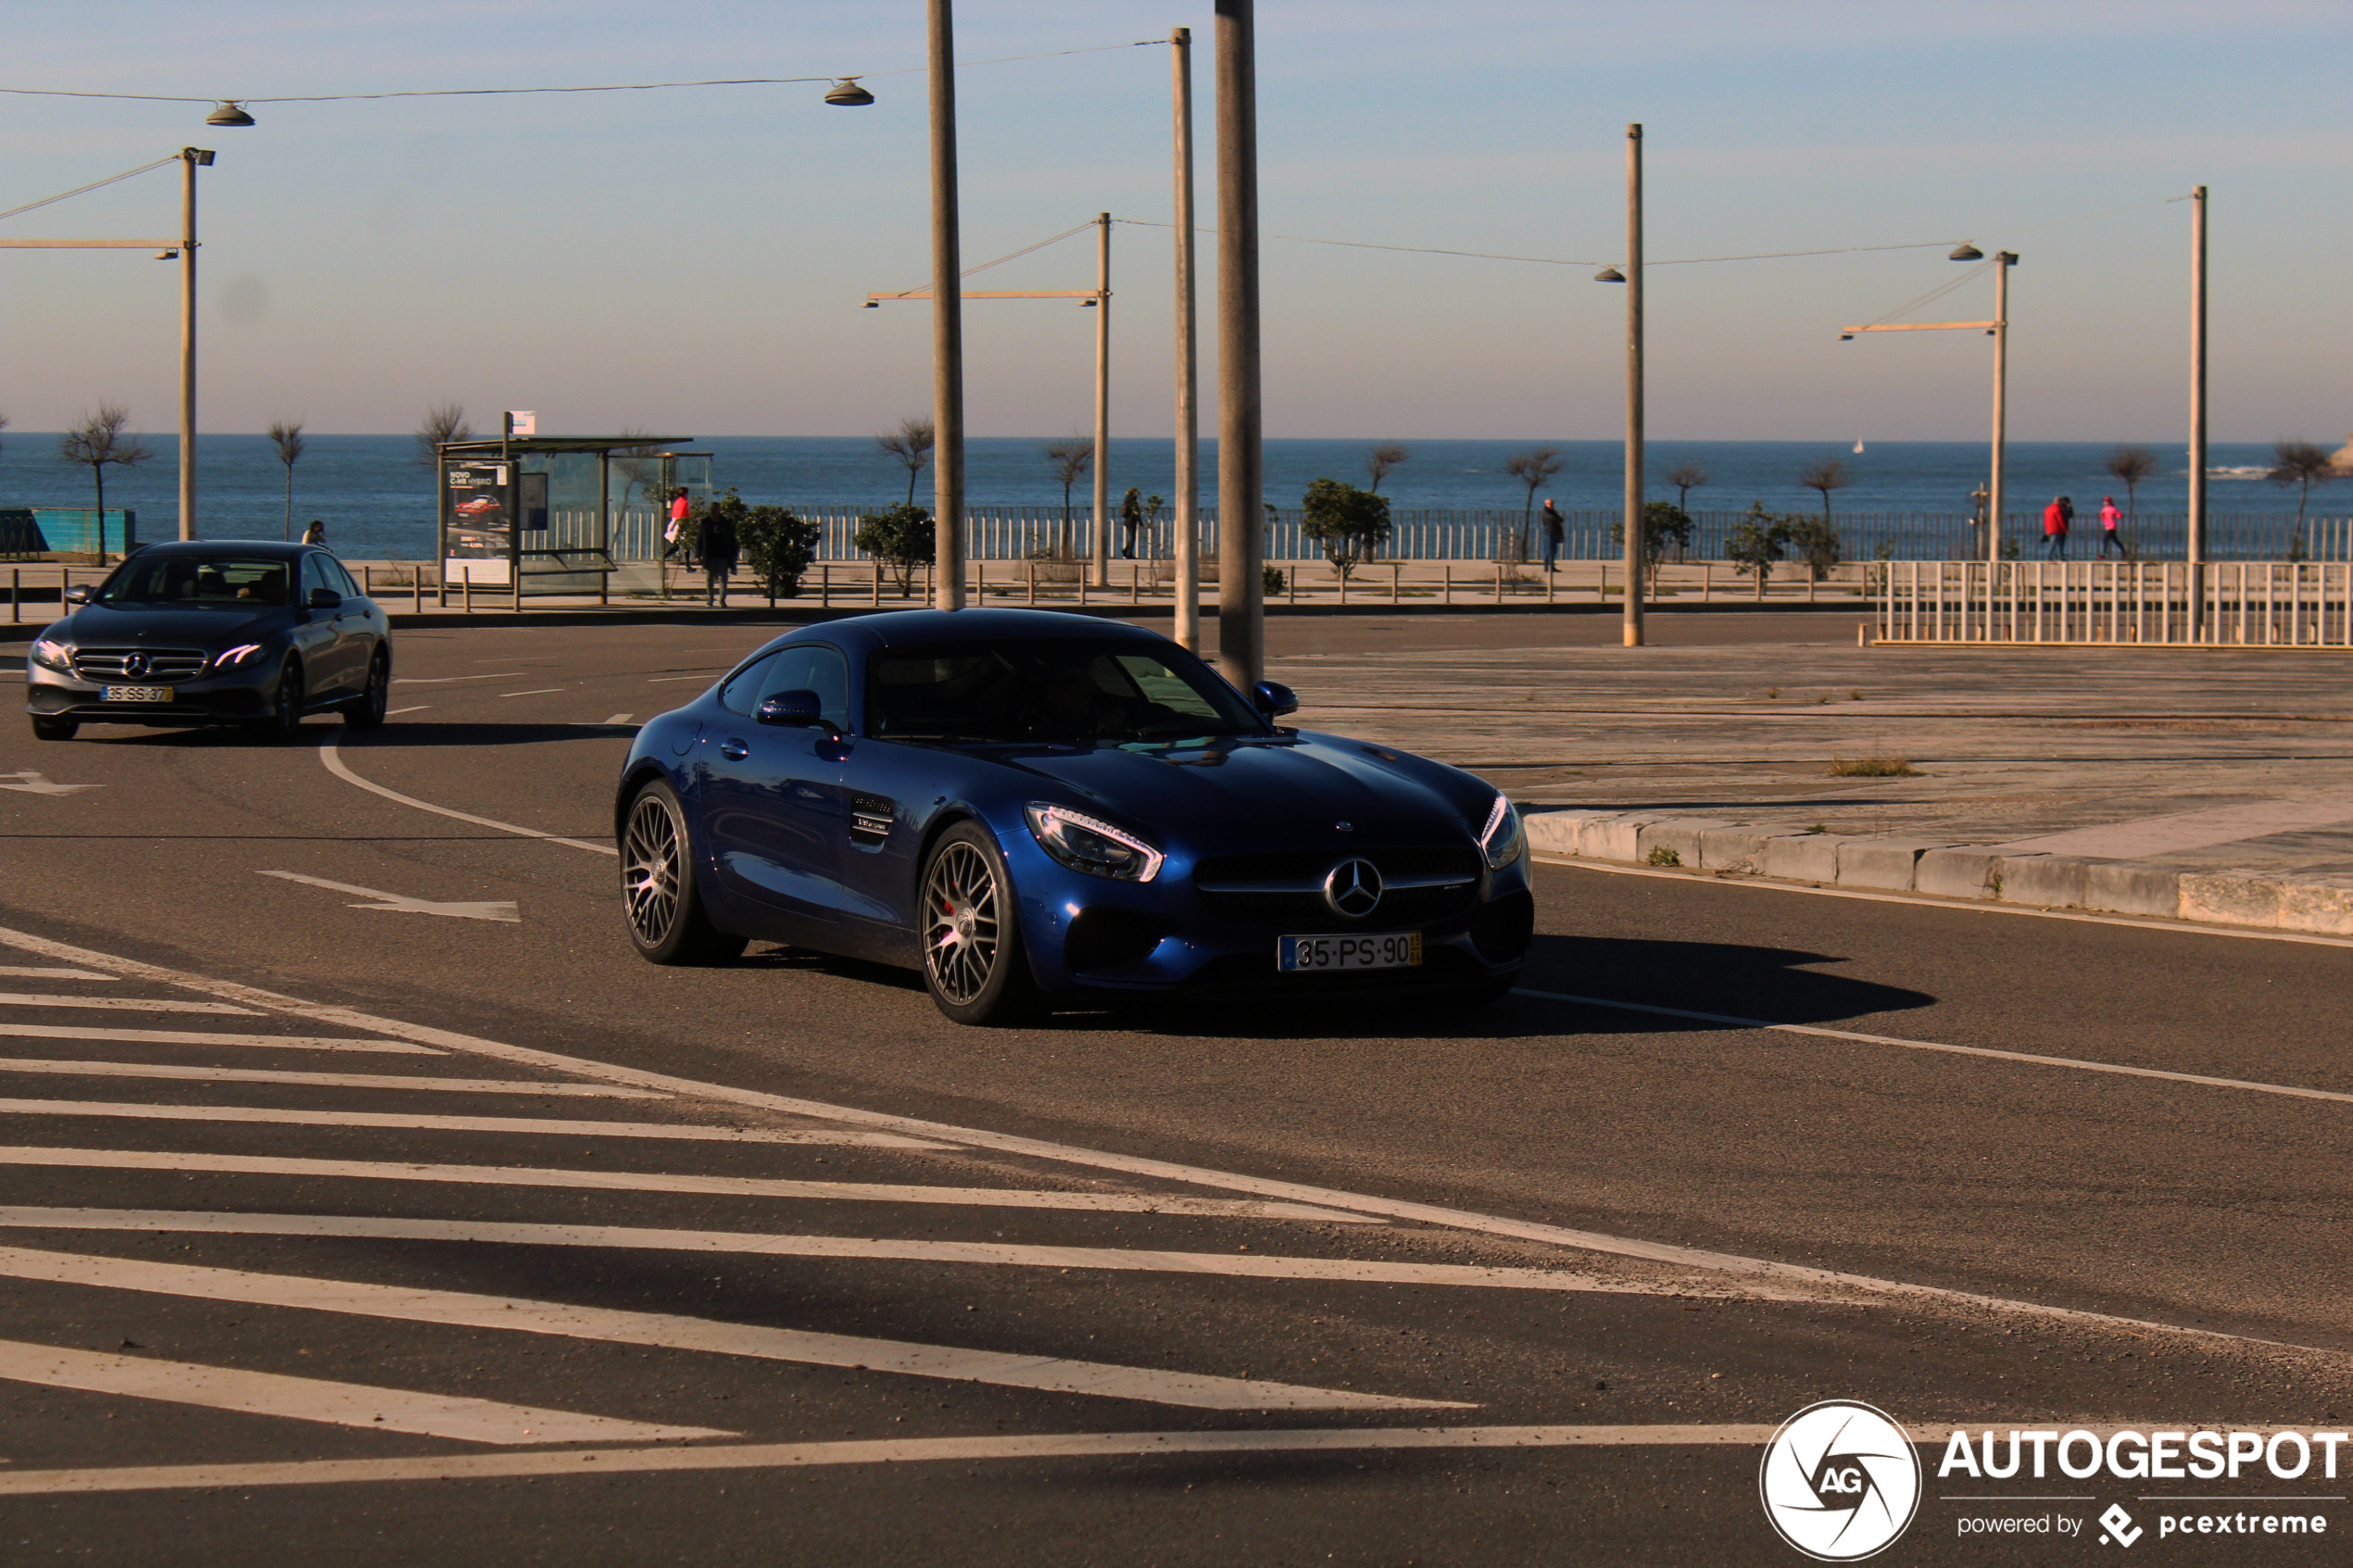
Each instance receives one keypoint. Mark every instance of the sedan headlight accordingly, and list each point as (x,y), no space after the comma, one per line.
(229,658)
(51,654)
(1087,844)
(1501,841)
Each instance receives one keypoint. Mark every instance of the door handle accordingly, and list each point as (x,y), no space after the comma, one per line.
(733,750)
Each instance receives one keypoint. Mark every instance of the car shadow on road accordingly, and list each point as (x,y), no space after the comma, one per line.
(392,735)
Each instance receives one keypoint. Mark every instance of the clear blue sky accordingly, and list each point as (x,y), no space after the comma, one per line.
(693,260)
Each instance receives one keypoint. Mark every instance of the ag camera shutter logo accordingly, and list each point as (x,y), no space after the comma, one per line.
(1840,1481)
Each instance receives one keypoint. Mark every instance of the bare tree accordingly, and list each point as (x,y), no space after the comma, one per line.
(1686,478)
(2304,465)
(1381,459)
(910,444)
(443,421)
(287,437)
(639,465)
(1825,476)
(99,441)
(1070,460)
(2130,465)
(1532,468)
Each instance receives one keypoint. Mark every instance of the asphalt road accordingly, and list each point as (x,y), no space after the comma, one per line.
(770,1262)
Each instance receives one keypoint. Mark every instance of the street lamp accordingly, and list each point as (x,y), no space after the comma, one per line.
(229,113)
(848,95)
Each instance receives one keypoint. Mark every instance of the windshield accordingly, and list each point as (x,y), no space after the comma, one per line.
(196,580)
(1049,689)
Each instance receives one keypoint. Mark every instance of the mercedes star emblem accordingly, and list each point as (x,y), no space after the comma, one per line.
(135,665)
(1352,888)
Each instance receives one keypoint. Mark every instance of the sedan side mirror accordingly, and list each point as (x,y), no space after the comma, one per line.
(78,594)
(323,598)
(797,710)
(1273,699)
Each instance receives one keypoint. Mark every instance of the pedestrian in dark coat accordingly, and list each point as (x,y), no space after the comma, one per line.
(720,548)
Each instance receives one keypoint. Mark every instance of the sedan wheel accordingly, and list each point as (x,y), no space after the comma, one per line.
(367,710)
(972,962)
(286,714)
(658,891)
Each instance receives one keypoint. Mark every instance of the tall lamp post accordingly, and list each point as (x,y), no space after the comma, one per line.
(1998,329)
(190,159)
(1188,627)
(1242,542)
(946,324)
(2196,544)
(1101,546)
(1632,277)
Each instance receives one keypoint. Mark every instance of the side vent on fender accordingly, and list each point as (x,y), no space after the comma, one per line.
(870,818)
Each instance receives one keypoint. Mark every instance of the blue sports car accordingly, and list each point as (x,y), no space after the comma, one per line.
(1037,809)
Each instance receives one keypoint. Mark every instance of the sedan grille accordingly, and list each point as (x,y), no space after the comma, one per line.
(151,664)
(1286,887)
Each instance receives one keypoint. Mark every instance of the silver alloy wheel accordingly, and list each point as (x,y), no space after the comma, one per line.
(960,923)
(649,857)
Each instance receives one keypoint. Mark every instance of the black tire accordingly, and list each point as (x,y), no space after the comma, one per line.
(660,900)
(53,729)
(974,965)
(366,711)
(285,722)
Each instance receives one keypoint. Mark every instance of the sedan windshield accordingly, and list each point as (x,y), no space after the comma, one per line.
(1052,689)
(196,580)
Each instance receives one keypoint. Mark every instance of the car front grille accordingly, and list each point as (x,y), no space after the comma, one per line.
(1284,887)
(162,664)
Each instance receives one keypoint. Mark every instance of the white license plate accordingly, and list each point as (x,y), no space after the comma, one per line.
(137,694)
(1390,950)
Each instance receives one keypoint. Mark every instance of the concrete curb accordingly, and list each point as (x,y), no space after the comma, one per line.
(2319,903)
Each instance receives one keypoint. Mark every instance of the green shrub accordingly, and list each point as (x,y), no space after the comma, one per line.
(902,538)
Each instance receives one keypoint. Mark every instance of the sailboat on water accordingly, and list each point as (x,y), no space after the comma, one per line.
(1858,445)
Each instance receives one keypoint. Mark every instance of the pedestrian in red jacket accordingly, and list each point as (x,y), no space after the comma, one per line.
(2055,517)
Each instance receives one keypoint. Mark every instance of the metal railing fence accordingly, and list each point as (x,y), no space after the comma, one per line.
(2232,604)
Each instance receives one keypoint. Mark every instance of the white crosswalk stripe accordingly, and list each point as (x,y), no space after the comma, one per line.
(118,1004)
(519,1126)
(321,1080)
(13,1030)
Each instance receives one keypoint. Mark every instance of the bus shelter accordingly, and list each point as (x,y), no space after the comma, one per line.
(558,514)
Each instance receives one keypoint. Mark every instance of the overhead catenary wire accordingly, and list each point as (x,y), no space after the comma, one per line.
(594,87)
(95,185)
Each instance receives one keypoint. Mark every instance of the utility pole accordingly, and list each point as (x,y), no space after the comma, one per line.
(946,324)
(1102,400)
(1633,529)
(189,160)
(1242,542)
(2196,543)
(1188,627)
(2003,261)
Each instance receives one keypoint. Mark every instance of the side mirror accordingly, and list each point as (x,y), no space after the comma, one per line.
(797,710)
(323,598)
(1273,699)
(78,594)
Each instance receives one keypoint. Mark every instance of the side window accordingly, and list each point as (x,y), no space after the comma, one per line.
(788,671)
(742,694)
(829,678)
(314,576)
(337,578)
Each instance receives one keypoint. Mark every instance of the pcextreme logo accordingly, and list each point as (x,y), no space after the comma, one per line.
(1840,1481)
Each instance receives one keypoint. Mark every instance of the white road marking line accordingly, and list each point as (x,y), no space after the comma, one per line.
(333,757)
(1126,1164)
(618,718)
(707,1335)
(1973,906)
(1339,1271)
(1001,1448)
(2076,1063)
(31,782)
(116,1004)
(401,904)
(396,712)
(310,1398)
(445,680)
(46,972)
(665,680)
(208,1038)
(633,1181)
(513,1125)
(535,691)
(324,1080)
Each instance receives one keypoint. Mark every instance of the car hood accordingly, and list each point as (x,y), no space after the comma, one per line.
(209,627)
(1235,791)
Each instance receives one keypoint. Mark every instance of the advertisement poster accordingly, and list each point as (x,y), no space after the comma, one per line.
(477,522)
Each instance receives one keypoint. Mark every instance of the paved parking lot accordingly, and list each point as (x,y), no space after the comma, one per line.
(361,1193)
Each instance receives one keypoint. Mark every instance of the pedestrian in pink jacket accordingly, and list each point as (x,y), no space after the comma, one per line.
(2110,537)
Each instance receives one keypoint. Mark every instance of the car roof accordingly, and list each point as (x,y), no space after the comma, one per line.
(213,546)
(908,627)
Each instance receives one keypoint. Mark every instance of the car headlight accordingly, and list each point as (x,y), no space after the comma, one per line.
(1087,844)
(230,657)
(1501,841)
(51,654)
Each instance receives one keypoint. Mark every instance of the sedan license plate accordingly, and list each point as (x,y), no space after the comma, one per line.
(137,694)
(1392,949)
